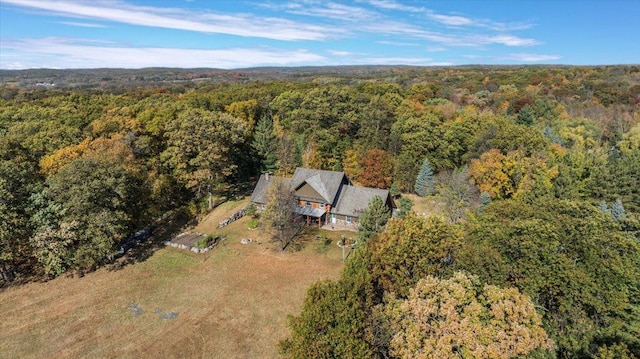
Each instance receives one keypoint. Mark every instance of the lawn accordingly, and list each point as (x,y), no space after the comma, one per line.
(231,302)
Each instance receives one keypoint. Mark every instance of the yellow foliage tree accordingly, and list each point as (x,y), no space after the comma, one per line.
(351,165)
(513,175)
(462,318)
(114,148)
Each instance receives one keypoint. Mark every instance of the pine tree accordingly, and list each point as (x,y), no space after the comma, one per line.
(527,116)
(374,218)
(549,133)
(394,190)
(485,198)
(265,143)
(604,208)
(404,206)
(617,211)
(424,181)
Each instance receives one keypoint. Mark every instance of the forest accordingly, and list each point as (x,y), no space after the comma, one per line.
(537,167)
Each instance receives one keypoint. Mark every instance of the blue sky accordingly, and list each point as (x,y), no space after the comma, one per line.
(239,34)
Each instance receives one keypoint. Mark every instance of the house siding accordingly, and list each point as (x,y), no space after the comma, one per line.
(308,193)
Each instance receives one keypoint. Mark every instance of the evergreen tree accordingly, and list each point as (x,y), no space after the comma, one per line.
(394,190)
(617,211)
(604,208)
(265,143)
(549,133)
(424,181)
(404,206)
(526,116)
(485,198)
(374,218)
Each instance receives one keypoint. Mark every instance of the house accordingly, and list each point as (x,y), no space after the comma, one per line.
(324,197)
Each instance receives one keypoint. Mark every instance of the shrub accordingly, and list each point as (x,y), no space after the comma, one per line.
(253,223)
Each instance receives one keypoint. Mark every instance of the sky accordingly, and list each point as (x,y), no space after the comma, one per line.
(240,34)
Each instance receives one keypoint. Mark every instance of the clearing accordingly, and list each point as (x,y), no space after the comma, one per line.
(229,303)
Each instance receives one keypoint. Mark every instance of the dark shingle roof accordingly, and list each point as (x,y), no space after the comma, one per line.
(354,200)
(326,183)
(259,194)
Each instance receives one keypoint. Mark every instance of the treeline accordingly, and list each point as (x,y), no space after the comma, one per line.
(545,279)
(81,170)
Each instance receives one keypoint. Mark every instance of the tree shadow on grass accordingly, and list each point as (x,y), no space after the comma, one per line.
(162,232)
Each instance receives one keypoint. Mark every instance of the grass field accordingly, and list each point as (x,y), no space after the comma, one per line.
(231,302)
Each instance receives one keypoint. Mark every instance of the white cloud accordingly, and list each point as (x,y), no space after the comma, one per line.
(525,57)
(81,24)
(510,40)
(447,39)
(436,48)
(78,53)
(397,43)
(393,5)
(332,10)
(174,18)
(340,53)
(451,20)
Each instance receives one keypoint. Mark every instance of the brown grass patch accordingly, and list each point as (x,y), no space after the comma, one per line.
(232,302)
(426,206)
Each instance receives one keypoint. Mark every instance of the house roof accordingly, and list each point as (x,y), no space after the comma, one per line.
(354,200)
(326,183)
(259,194)
(308,211)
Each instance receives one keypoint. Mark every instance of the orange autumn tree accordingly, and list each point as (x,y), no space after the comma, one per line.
(375,169)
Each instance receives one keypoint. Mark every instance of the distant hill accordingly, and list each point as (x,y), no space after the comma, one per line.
(159,77)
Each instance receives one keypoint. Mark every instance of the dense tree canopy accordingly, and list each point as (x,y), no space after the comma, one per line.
(523,157)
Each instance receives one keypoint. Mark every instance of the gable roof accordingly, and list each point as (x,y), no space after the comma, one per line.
(259,194)
(326,183)
(354,199)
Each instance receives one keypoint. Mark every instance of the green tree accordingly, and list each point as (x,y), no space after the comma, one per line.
(410,249)
(280,213)
(18,179)
(374,218)
(617,211)
(576,264)
(100,202)
(461,317)
(332,323)
(425,183)
(202,148)
(485,198)
(404,206)
(394,190)
(265,143)
(456,191)
(527,116)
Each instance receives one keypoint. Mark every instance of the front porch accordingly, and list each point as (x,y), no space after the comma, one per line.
(312,216)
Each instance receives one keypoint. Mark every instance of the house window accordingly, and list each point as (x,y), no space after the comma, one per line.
(347,219)
(308,204)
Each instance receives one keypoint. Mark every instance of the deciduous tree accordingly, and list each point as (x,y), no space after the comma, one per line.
(461,317)
(375,169)
(280,213)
